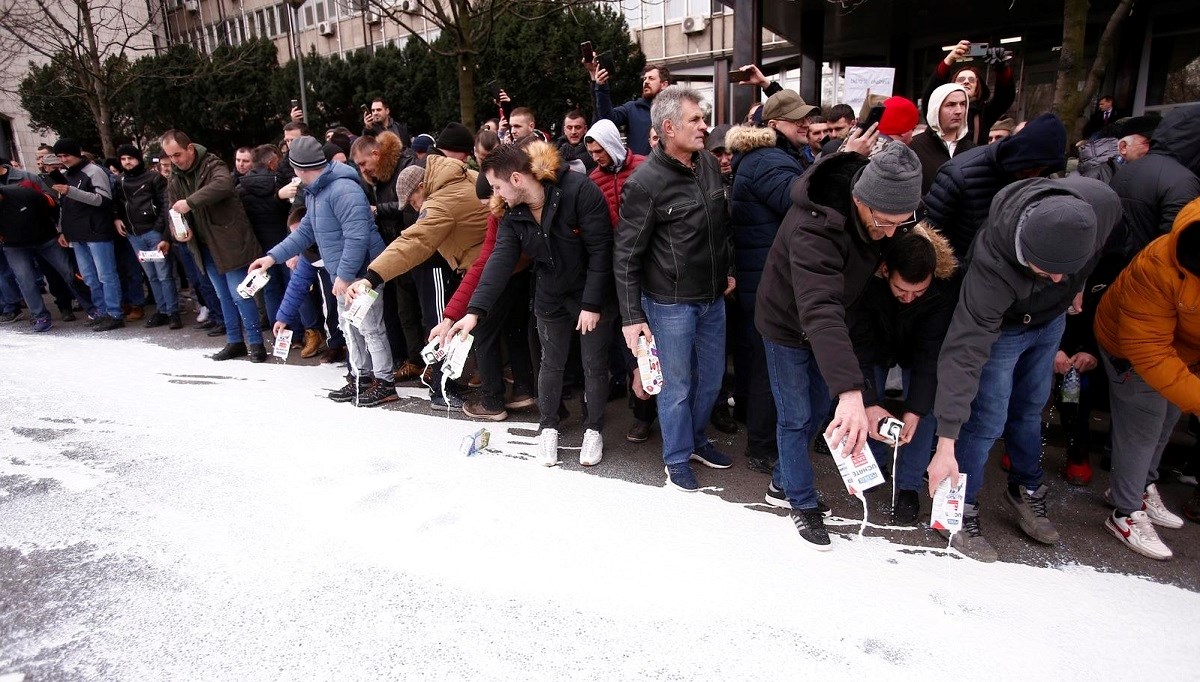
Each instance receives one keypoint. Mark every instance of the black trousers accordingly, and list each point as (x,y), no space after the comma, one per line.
(556,335)
(508,323)
(760,404)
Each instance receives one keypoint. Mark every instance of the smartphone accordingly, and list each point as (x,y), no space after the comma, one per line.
(875,115)
(605,60)
(57,178)
(493,88)
(586,51)
(977,50)
(295,103)
(739,76)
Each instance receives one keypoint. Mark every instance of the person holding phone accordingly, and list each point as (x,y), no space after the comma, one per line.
(379,118)
(985,107)
(634,115)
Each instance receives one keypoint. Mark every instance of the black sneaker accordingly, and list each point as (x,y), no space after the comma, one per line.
(207,324)
(452,400)
(176,322)
(907,509)
(810,523)
(230,351)
(258,352)
(157,320)
(711,457)
(107,324)
(9,318)
(722,420)
(219,330)
(379,393)
(762,465)
(346,393)
(67,315)
(776,498)
(681,477)
(639,432)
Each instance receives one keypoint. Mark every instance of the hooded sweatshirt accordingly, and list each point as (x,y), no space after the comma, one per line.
(931,149)
(611,179)
(999,293)
(962,192)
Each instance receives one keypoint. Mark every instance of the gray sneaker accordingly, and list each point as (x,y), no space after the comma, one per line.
(970,541)
(1030,510)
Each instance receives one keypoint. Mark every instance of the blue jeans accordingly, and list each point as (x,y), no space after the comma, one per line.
(130,272)
(801,404)
(1013,389)
(691,348)
(914,457)
(273,292)
(202,286)
(10,290)
(162,283)
(239,313)
(98,265)
(23,260)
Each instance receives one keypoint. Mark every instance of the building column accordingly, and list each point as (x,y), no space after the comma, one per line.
(747,49)
(812,41)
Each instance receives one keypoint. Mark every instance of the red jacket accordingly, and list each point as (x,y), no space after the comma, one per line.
(457,307)
(612,183)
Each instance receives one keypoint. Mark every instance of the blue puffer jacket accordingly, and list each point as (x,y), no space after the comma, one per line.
(339,222)
(962,192)
(298,287)
(765,166)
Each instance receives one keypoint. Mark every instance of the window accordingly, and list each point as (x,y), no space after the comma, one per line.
(675,9)
(1174,76)
(269,18)
(320,11)
(285,20)
(309,18)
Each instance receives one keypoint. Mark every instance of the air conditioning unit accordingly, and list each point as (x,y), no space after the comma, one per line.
(192,6)
(408,7)
(694,24)
(374,18)
(325,28)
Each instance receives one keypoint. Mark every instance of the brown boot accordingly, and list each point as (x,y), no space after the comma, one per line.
(136,312)
(313,343)
(408,371)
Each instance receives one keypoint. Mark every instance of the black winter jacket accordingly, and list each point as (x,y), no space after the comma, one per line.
(821,261)
(141,200)
(887,332)
(962,192)
(571,250)
(999,293)
(931,149)
(258,191)
(672,242)
(1155,187)
(87,210)
(26,216)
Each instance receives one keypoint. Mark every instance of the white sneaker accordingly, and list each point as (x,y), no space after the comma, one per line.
(1138,534)
(1159,515)
(203,316)
(548,455)
(593,448)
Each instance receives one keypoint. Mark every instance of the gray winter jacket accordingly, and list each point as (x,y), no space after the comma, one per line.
(999,293)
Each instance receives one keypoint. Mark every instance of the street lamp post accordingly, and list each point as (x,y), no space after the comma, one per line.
(295,4)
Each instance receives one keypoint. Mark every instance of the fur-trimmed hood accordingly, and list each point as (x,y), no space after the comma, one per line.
(390,150)
(741,139)
(547,166)
(946,262)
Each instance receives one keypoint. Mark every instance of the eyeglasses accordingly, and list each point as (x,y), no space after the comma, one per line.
(901,226)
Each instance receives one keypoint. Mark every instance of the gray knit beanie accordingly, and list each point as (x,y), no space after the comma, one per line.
(306,152)
(891,182)
(1058,234)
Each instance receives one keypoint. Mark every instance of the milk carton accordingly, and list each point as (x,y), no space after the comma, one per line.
(179,226)
(859,470)
(253,283)
(948,501)
(649,368)
(150,256)
(474,443)
(357,312)
(283,345)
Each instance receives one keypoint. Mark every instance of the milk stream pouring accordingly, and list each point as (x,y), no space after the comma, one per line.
(948,501)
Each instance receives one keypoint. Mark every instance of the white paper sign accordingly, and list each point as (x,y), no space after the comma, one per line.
(860,79)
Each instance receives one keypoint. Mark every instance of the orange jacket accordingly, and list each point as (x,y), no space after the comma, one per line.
(1151,315)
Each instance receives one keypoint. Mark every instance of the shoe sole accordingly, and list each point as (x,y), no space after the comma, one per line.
(672,484)
(591,464)
(520,404)
(377,403)
(632,439)
(1164,523)
(1023,525)
(499,417)
(776,502)
(1116,532)
(814,546)
(705,462)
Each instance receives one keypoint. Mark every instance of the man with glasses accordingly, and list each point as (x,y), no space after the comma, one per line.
(985,107)
(788,114)
(1025,272)
(828,248)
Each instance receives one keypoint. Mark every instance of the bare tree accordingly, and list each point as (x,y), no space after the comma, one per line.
(94,40)
(468,23)
(1070,99)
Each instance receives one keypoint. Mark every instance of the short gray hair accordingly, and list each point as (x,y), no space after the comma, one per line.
(668,106)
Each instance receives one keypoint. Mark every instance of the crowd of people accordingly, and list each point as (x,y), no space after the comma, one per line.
(782,268)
